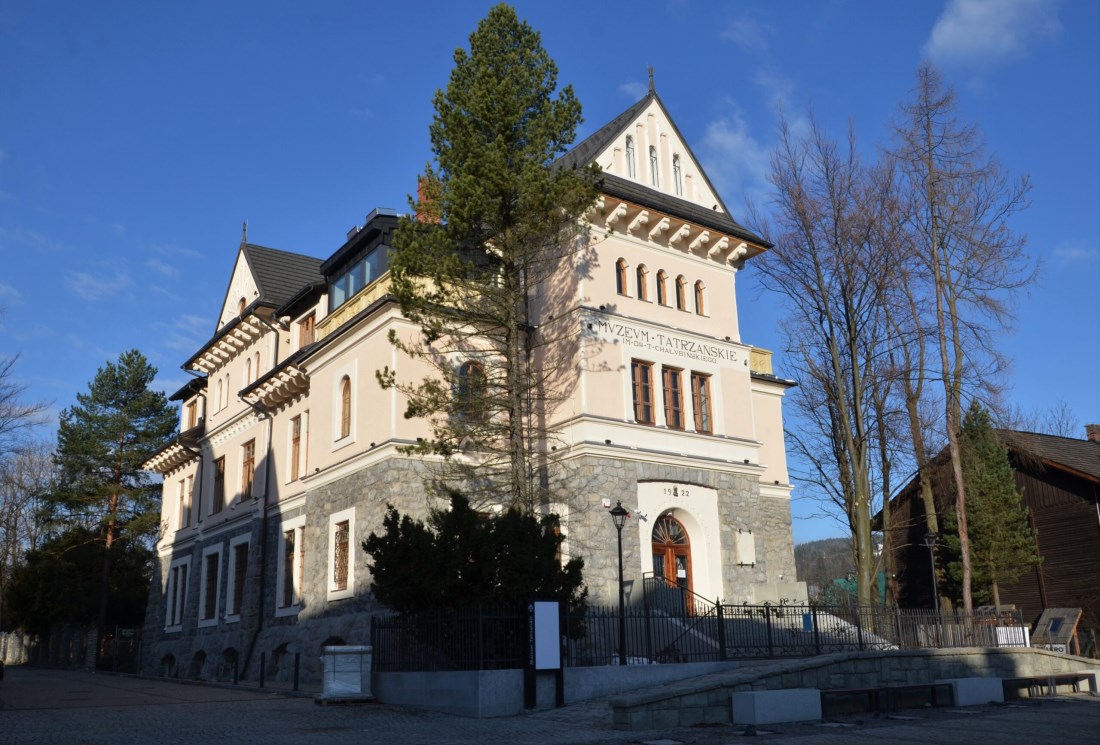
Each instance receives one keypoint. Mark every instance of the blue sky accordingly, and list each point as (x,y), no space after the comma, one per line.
(135,138)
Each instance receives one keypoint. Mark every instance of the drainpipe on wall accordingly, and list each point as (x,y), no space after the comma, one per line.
(266,413)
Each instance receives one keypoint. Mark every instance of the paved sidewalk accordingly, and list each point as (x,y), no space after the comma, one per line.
(40,706)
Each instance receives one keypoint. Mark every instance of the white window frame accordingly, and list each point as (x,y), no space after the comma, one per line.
(336,518)
(233,615)
(177,593)
(212,620)
(290,606)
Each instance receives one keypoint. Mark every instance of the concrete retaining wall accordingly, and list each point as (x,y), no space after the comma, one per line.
(707,699)
(485,693)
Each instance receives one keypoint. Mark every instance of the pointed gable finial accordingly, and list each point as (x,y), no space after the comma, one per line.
(651,88)
(244,232)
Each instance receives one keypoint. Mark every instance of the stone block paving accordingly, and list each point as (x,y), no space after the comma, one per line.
(40,707)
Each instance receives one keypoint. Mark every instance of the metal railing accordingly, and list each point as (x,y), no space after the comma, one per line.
(678,626)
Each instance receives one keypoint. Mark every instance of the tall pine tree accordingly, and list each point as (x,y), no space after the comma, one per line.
(495,220)
(102,440)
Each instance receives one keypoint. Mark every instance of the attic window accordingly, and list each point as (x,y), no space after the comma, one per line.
(677,177)
(240,307)
(630,167)
(654,179)
(360,274)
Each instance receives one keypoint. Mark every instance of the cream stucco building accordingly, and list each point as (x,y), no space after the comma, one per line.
(288,451)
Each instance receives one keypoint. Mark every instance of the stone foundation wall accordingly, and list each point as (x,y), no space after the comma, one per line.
(707,700)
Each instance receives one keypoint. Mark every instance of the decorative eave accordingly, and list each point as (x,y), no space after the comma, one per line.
(227,344)
(684,235)
(178,452)
(277,387)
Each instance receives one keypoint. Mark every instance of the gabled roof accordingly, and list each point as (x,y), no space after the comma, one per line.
(589,148)
(1067,453)
(280,275)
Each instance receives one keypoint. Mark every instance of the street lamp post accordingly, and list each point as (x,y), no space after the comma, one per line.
(618,516)
(930,541)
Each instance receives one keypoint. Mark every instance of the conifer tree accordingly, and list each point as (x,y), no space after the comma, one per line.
(1002,546)
(495,219)
(102,441)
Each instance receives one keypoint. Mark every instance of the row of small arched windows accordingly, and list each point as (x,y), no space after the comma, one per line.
(679,287)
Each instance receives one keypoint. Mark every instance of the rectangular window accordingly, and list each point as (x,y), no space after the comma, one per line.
(674,397)
(192,417)
(291,561)
(248,468)
(700,400)
(295,446)
(238,572)
(211,572)
(641,374)
(182,523)
(341,562)
(218,500)
(307,330)
(175,596)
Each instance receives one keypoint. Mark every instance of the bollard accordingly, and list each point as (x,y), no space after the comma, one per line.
(297,661)
(262,666)
(236,669)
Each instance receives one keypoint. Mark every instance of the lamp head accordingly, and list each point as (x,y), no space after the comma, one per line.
(619,515)
(930,539)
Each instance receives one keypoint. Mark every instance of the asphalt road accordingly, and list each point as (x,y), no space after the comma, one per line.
(39,706)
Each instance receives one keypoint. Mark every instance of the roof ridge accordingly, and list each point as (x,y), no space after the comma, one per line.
(280,251)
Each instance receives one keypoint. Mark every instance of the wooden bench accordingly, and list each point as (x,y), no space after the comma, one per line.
(887,698)
(1047,685)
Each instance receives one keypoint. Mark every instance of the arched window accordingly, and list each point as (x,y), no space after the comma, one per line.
(681,289)
(643,282)
(345,407)
(677,178)
(662,289)
(247,371)
(620,276)
(700,290)
(653,178)
(219,394)
(256,368)
(631,169)
(471,392)
(240,307)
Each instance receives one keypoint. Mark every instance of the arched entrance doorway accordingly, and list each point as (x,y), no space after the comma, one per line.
(671,553)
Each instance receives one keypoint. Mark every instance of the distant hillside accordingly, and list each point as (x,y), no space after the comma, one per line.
(820,562)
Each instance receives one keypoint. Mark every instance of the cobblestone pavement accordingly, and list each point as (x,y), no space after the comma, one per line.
(39,707)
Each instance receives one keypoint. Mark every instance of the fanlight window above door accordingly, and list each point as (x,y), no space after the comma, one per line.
(669,530)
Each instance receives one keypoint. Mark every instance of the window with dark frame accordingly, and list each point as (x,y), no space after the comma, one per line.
(631,165)
(700,291)
(654,179)
(700,400)
(218,500)
(676,176)
(641,374)
(248,468)
(340,555)
(210,598)
(471,393)
(620,276)
(240,572)
(288,567)
(674,397)
(643,282)
(681,291)
(307,330)
(662,287)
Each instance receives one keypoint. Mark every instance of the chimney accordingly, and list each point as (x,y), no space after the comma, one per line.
(1092,432)
(424,202)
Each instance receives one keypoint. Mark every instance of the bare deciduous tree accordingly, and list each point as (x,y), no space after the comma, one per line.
(961,202)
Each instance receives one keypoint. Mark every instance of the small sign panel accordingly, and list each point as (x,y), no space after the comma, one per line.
(547,635)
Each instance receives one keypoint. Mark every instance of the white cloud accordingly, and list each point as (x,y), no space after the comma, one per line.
(91,287)
(1073,252)
(736,161)
(748,33)
(162,267)
(31,238)
(9,295)
(633,90)
(984,33)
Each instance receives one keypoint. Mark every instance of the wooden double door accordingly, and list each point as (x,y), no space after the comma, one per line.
(672,552)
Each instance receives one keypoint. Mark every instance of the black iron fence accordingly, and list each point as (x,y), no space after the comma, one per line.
(678,627)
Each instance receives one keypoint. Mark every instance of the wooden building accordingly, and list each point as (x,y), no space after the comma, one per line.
(1059,478)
